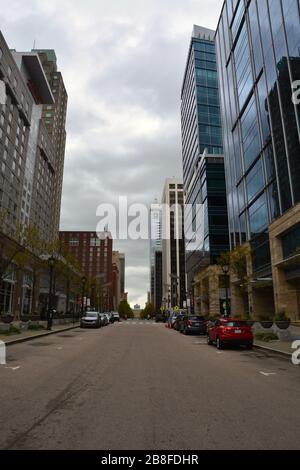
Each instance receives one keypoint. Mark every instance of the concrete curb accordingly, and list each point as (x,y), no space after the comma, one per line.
(275,351)
(39,336)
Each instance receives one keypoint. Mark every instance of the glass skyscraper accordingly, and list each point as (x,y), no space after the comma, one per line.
(258,55)
(202,150)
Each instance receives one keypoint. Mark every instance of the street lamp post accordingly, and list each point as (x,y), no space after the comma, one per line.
(225,269)
(83,284)
(51,262)
(193,299)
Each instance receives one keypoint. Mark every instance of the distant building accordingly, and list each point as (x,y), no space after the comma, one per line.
(95,260)
(173,244)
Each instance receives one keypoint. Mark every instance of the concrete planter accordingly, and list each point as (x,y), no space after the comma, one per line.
(267,325)
(283,335)
(283,325)
(4,328)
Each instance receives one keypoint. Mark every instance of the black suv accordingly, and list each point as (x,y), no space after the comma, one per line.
(193,324)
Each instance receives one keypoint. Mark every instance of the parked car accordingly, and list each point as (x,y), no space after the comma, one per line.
(105,320)
(195,324)
(160,318)
(91,320)
(230,332)
(178,321)
(116,317)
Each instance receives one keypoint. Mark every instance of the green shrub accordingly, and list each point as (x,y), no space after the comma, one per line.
(36,327)
(266,337)
(282,316)
(12,331)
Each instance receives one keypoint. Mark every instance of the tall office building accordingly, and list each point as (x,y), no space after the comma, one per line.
(155,247)
(206,220)
(258,52)
(173,244)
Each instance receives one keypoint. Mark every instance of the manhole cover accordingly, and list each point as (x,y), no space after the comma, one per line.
(41,344)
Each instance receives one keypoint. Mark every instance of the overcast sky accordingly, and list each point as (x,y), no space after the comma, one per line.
(122,63)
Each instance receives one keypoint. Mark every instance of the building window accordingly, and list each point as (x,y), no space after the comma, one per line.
(291,242)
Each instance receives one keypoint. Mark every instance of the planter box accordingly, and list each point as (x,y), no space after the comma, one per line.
(283,325)
(4,328)
(267,324)
(283,335)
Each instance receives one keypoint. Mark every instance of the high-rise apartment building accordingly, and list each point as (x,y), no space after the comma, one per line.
(206,223)
(173,244)
(54,118)
(155,247)
(258,54)
(29,166)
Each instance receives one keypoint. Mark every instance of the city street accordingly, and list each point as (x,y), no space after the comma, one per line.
(136,385)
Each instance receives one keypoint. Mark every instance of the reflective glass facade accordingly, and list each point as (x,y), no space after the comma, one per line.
(204,179)
(258,56)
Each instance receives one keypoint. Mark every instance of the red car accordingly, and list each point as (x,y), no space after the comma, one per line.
(230,332)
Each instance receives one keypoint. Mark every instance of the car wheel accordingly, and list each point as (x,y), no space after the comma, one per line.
(219,344)
(209,341)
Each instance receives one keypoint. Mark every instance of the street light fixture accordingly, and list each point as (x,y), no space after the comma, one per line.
(83,284)
(226,269)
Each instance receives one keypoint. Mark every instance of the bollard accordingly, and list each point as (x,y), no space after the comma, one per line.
(2,353)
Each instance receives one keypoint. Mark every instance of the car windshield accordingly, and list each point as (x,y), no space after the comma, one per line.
(92,315)
(196,318)
(234,324)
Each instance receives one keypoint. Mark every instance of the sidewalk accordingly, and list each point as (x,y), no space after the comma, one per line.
(281,347)
(30,335)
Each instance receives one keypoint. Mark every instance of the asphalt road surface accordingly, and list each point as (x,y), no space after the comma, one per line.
(137,385)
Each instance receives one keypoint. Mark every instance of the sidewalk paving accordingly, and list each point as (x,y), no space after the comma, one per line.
(30,335)
(281,347)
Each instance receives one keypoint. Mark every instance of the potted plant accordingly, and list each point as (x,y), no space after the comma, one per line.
(7,319)
(282,321)
(266,320)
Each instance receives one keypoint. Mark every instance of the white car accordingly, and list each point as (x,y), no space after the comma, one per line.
(91,320)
